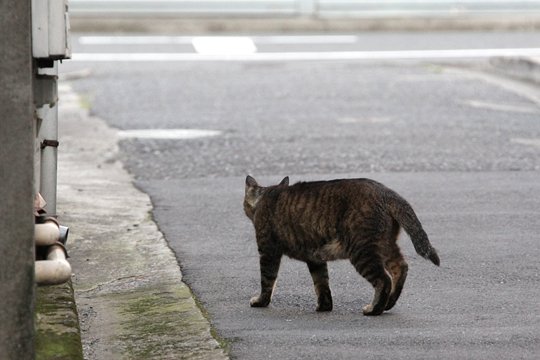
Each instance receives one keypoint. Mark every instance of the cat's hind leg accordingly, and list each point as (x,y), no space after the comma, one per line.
(269,264)
(319,274)
(370,265)
(395,265)
(398,268)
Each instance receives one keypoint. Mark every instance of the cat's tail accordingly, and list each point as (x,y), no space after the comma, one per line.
(404,214)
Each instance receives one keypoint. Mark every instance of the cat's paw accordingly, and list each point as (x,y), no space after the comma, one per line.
(390,304)
(324,307)
(369,310)
(258,302)
(324,302)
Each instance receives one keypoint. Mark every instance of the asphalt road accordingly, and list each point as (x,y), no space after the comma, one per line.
(461,145)
(482,303)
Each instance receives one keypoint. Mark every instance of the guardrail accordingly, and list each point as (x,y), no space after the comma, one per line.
(294,8)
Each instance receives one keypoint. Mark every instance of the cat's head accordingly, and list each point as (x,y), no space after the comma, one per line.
(254,192)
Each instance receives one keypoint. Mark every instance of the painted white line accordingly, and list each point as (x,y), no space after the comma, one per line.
(134,40)
(309,56)
(167,134)
(306,39)
(366,120)
(503,107)
(173,40)
(217,45)
(530,142)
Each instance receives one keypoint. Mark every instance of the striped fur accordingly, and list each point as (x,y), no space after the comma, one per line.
(316,222)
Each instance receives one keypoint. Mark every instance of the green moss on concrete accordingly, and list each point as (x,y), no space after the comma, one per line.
(52,345)
(85,102)
(57,324)
(157,318)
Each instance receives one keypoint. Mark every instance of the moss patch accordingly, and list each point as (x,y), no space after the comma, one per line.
(155,320)
(85,102)
(57,324)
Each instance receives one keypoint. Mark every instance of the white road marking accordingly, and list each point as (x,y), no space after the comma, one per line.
(366,120)
(504,107)
(306,39)
(309,56)
(172,40)
(167,134)
(224,45)
(530,142)
(134,40)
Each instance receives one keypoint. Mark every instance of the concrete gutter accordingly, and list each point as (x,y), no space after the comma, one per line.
(131,300)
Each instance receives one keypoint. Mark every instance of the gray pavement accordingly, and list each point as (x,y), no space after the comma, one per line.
(480,304)
(302,117)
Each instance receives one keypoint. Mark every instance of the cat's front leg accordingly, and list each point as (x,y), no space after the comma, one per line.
(269,269)
(319,274)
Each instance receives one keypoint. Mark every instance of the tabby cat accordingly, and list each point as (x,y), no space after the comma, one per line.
(316,222)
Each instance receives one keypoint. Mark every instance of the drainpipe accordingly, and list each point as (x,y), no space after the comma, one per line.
(47,113)
(50,238)
(47,233)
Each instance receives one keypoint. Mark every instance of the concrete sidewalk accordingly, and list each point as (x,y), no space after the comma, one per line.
(131,300)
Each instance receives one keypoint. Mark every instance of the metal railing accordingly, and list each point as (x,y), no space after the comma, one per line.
(294,8)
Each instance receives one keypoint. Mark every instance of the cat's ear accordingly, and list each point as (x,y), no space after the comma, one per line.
(251,182)
(285,181)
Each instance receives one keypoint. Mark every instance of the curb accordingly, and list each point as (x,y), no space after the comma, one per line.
(131,300)
(522,68)
(203,25)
